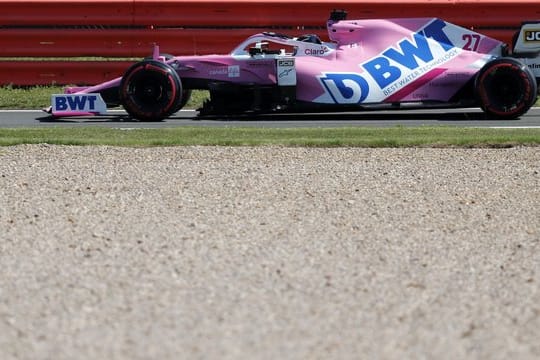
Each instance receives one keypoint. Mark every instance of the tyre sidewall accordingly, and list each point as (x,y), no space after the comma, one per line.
(485,92)
(161,76)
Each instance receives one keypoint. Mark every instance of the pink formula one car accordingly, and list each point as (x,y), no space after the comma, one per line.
(391,63)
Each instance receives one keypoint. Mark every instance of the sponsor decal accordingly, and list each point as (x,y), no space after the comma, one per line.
(532,36)
(318,51)
(220,71)
(285,62)
(346,88)
(397,66)
(286,72)
(534,67)
(421,70)
(91,103)
(232,71)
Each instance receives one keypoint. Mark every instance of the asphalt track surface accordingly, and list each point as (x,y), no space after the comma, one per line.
(437,117)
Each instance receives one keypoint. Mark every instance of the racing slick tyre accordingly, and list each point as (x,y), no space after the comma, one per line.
(151,90)
(505,88)
(186,93)
(186,96)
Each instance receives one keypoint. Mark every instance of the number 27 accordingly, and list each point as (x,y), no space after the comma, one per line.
(472,41)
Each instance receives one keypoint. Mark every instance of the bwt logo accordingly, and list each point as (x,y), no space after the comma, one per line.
(347,88)
(532,35)
(351,88)
(76,102)
(82,103)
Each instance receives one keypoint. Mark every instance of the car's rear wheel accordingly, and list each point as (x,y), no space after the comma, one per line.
(506,88)
(151,90)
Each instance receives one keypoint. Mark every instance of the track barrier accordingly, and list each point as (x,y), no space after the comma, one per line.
(31,31)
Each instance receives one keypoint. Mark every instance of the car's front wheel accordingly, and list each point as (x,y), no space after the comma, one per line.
(150,90)
(506,88)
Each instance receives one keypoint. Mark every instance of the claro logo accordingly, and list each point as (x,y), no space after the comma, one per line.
(316,51)
(532,35)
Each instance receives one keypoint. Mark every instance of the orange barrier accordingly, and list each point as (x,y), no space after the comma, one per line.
(255,13)
(119,42)
(25,73)
(128,28)
(137,43)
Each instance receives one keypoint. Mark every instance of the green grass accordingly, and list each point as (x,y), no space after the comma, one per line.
(27,98)
(38,97)
(308,137)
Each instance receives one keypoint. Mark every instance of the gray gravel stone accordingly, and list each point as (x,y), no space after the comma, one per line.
(268,252)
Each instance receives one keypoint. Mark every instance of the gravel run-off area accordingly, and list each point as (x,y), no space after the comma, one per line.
(269,253)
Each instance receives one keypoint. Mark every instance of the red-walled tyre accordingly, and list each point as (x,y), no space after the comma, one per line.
(506,88)
(150,90)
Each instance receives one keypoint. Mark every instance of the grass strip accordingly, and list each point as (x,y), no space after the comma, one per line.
(38,97)
(306,137)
